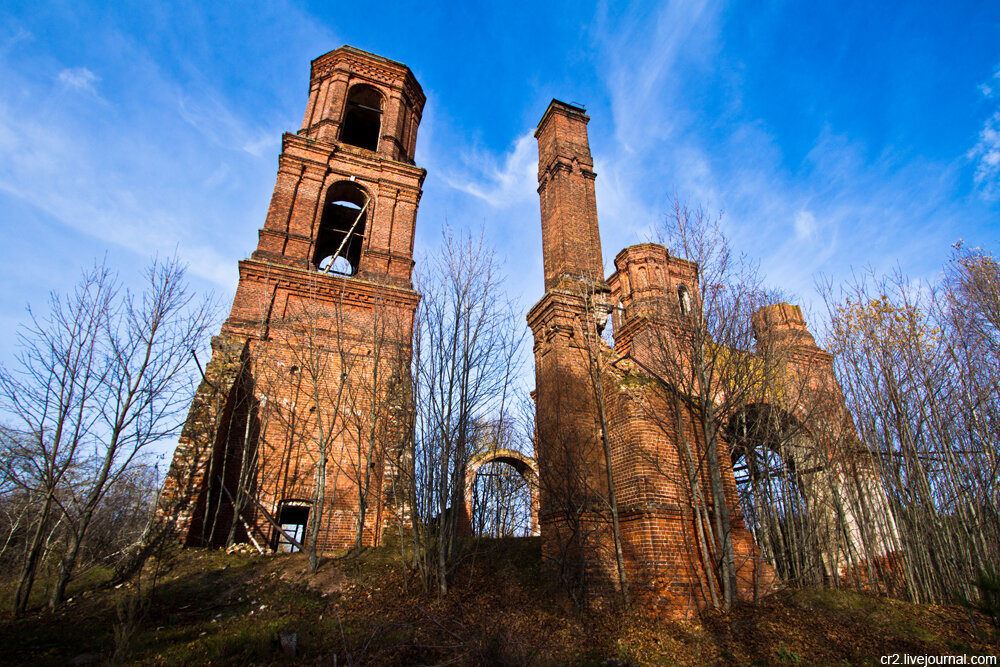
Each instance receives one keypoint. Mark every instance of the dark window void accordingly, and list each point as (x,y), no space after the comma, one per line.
(362,117)
(342,229)
(292,517)
(684,300)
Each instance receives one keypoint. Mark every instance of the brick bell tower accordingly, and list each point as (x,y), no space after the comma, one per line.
(314,358)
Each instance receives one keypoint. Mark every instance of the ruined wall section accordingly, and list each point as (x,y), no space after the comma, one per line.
(666,561)
(189,473)
(840,484)
(659,440)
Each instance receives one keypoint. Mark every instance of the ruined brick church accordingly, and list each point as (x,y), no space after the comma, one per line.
(308,384)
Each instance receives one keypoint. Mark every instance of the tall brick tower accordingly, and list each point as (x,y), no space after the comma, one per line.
(599,407)
(565,324)
(310,371)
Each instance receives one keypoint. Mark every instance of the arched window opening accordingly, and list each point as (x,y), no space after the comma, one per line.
(342,229)
(684,300)
(293,515)
(501,502)
(362,117)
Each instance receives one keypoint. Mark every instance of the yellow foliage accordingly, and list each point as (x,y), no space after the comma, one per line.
(880,324)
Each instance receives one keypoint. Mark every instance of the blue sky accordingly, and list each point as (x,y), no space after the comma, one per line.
(833,135)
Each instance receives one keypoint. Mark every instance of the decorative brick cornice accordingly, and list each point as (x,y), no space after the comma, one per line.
(327,286)
(361,64)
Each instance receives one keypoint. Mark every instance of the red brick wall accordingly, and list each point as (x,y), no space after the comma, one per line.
(664,566)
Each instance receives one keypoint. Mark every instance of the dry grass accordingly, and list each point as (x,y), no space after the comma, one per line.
(212,607)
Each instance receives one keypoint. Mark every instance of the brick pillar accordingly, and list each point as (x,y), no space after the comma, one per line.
(571,241)
(572,473)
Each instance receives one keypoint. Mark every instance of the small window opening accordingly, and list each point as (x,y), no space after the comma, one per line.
(341,235)
(684,299)
(293,517)
(616,316)
(362,117)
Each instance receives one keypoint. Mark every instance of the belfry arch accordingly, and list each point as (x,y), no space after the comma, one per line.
(342,229)
(362,117)
(525,467)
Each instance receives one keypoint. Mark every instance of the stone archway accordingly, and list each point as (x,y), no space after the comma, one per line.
(525,467)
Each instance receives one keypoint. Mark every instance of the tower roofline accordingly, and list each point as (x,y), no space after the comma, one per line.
(401,70)
(367,54)
(564,108)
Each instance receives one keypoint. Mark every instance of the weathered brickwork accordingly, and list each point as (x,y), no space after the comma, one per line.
(588,391)
(316,351)
(313,364)
(197,443)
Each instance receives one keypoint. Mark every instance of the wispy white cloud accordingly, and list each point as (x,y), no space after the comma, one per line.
(991,88)
(217,121)
(844,204)
(986,154)
(640,56)
(805,225)
(79,78)
(499,181)
(265,143)
(18,35)
(146,185)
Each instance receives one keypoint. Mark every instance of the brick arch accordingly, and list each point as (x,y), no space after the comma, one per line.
(770,427)
(525,467)
(783,421)
(816,471)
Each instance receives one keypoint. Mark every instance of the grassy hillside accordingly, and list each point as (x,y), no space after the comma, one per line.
(218,608)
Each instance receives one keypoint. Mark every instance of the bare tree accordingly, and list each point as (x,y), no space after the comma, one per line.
(51,394)
(104,376)
(465,357)
(700,357)
(919,367)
